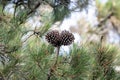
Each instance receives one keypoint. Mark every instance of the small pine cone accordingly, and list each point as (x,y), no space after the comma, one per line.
(66,37)
(53,38)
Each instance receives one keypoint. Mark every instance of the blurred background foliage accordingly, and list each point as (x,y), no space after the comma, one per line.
(110,6)
(25,54)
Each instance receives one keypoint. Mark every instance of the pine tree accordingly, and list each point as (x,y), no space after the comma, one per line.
(35,59)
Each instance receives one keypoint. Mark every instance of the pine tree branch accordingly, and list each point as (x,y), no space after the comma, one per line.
(57,52)
(27,38)
(38,64)
(33,10)
(105,19)
(54,66)
(2,77)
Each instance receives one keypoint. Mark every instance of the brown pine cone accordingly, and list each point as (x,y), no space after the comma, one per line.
(66,37)
(53,38)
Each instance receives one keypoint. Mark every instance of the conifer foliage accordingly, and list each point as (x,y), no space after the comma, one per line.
(31,58)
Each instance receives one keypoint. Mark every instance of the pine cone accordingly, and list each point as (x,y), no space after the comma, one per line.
(53,37)
(56,39)
(66,37)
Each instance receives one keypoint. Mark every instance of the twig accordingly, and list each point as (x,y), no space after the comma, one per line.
(54,66)
(2,76)
(57,52)
(27,38)
(105,19)
(38,64)
(33,10)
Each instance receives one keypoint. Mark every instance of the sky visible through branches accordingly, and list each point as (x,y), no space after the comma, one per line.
(90,15)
